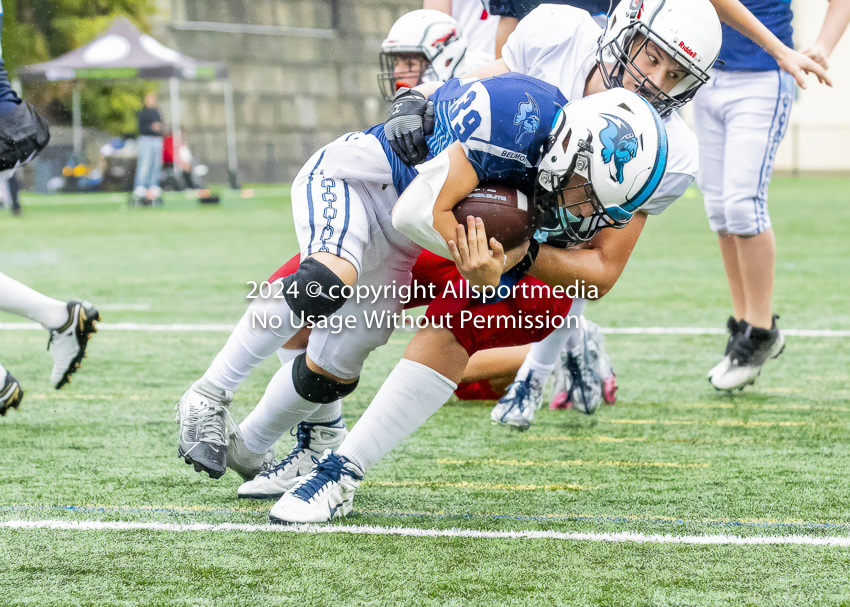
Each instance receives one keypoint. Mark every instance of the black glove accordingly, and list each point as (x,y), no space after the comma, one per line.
(410,120)
(23,134)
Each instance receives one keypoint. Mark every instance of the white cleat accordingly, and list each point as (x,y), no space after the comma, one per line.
(311,441)
(324,494)
(750,349)
(68,343)
(721,367)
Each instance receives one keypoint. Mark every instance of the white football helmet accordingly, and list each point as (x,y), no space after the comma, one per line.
(617,142)
(687,30)
(427,34)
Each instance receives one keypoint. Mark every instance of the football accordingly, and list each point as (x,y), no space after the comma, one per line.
(507,213)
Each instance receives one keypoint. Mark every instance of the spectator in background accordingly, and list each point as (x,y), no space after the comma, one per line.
(149,164)
(475,22)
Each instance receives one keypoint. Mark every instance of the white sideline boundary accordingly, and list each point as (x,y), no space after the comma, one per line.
(624,537)
(227,328)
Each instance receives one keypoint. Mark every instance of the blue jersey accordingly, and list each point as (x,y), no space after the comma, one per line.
(742,54)
(502,123)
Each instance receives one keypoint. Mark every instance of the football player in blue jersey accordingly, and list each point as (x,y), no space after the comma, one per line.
(23,134)
(343,201)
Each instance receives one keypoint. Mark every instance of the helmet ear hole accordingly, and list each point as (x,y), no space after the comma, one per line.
(567,140)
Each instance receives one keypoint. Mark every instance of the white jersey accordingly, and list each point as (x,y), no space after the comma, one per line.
(480,32)
(558,44)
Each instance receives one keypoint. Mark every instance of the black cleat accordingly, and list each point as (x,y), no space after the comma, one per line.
(11,394)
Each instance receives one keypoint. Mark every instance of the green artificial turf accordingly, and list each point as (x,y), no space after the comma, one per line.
(672,456)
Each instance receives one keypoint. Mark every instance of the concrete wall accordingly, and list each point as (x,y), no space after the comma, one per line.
(295,90)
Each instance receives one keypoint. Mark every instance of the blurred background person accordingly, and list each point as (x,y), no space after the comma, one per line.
(149,164)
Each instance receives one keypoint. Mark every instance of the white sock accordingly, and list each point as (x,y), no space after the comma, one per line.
(17,298)
(286,355)
(326,414)
(251,343)
(544,354)
(409,396)
(2,376)
(279,410)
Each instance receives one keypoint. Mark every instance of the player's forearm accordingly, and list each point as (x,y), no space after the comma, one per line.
(423,212)
(598,262)
(504,29)
(494,68)
(834,24)
(565,267)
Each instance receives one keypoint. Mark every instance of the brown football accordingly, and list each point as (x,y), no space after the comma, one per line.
(507,213)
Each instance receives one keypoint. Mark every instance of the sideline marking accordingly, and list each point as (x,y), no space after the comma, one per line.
(163,328)
(623,537)
(262,507)
(575,462)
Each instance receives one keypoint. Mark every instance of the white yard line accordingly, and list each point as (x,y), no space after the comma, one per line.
(201,328)
(625,537)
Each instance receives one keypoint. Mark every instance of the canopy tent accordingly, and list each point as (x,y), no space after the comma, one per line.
(124,52)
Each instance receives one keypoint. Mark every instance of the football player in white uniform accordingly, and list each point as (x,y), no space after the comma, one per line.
(558,44)
(662,50)
(23,134)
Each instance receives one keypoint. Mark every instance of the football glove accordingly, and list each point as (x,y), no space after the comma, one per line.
(410,119)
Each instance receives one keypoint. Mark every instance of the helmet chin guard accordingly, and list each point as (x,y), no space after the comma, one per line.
(604,160)
(689,31)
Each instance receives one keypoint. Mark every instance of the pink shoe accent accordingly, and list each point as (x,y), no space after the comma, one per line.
(561,401)
(609,390)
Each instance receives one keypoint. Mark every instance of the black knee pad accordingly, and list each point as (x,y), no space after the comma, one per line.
(317,388)
(313,290)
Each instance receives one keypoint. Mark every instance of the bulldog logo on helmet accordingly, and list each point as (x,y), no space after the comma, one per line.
(619,143)
(527,117)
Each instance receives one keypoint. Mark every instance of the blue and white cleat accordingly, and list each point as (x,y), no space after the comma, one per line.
(311,441)
(516,409)
(324,494)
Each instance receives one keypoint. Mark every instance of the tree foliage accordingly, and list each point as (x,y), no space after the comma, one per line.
(40,30)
